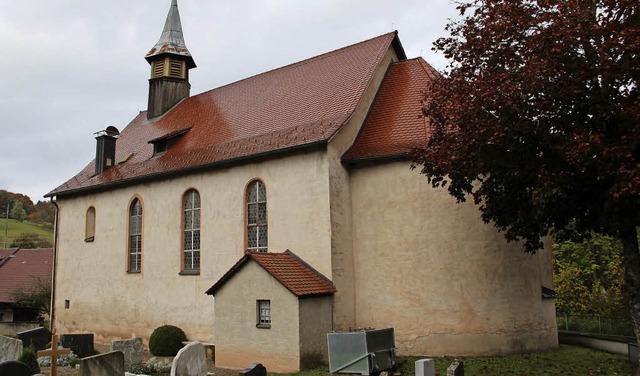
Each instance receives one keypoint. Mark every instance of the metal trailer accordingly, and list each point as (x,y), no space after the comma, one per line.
(365,352)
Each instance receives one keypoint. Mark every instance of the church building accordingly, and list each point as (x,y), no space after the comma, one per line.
(262,214)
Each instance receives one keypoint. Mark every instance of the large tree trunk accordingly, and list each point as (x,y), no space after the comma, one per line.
(629,237)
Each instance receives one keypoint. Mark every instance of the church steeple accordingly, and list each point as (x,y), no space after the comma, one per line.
(170,62)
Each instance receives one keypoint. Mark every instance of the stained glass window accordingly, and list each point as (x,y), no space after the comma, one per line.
(257,217)
(135,236)
(191,227)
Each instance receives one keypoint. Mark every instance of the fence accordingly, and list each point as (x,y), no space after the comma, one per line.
(599,325)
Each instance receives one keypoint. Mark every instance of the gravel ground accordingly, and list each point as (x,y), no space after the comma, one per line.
(68,371)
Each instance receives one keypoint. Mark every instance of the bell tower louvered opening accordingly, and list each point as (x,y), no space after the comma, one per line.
(176,68)
(157,69)
(169,67)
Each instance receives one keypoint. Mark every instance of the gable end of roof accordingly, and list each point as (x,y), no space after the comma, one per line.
(300,278)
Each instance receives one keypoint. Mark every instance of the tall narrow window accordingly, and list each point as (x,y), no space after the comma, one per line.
(90,225)
(135,236)
(191,235)
(257,217)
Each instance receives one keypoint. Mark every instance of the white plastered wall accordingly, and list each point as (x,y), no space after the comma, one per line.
(340,196)
(445,281)
(315,322)
(238,341)
(106,300)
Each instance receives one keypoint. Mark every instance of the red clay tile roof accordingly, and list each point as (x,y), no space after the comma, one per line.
(19,268)
(297,276)
(396,123)
(297,105)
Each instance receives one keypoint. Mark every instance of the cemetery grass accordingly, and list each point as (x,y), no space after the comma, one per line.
(567,360)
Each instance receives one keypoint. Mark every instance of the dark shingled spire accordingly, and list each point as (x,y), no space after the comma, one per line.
(172,41)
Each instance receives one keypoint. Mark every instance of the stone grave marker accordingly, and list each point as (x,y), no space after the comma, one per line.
(10,348)
(80,344)
(456,369)
(39,337)
(14,368)
(191,360)
(425,367)
(54,353)
(633,353)
(109,364)
(132,350)
(254,370)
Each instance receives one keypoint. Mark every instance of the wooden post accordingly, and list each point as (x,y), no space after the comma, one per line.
(54,353)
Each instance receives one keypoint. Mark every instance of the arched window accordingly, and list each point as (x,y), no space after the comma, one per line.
(135,236)
(90,225)
(257,217)
(191,232)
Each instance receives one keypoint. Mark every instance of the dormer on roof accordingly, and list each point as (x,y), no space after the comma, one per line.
(163,143)
(170,62)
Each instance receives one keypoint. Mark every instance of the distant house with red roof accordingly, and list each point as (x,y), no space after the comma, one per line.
(19,269)
(207,192)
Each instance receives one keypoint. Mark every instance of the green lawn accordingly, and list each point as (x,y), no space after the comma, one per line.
(567,360)
(16,229)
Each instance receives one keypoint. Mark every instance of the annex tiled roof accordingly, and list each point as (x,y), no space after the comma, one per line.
(20,266)
(294,106)
(297,276)
(396,122)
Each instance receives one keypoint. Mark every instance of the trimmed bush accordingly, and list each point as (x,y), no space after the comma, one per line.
(166,340)
(29,358)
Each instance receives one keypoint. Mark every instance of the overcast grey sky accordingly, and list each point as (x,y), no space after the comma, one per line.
(73,67)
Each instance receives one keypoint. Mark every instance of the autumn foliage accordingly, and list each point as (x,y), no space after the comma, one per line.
(537,119)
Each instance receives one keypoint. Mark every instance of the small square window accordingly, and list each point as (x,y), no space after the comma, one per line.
(264,314)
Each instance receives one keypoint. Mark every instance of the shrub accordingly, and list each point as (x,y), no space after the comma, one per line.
(29,358)
(166,340)
(141,369)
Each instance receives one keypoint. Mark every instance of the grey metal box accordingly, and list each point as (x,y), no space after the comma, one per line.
(363,352)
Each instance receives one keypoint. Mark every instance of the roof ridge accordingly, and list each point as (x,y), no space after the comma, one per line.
(428,68)
(302,62)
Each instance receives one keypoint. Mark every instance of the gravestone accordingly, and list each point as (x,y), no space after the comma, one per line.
(14,368)
(10,348)
(132,350)
(109,364)
(39,337)
(456,369)
(254,370)
(191,360)
(633,353)
(425,367)
(80,344)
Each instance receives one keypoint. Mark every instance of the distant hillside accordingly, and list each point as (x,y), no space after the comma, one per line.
(28,225)
(29,234)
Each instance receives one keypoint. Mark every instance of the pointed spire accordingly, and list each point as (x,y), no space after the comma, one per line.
(172,41)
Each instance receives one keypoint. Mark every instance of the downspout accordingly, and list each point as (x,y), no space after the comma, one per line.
(55,265)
